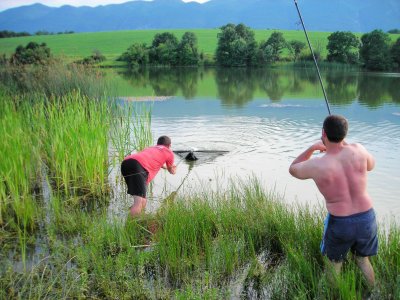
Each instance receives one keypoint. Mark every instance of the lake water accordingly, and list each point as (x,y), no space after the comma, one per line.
(264,119)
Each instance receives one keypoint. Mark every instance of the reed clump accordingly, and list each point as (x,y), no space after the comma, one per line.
(19,166)
(76,144)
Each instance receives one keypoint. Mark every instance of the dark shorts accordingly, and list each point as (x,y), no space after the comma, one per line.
(357,233)
(135,177)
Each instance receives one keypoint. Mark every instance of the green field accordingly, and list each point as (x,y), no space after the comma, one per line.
(112,44)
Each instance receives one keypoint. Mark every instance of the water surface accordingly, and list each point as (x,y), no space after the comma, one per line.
(265,118)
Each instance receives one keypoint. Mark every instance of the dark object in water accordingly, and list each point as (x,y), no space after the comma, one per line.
(198,156)
(190,156)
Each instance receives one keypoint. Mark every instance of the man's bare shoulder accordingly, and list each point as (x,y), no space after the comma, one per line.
(357,147)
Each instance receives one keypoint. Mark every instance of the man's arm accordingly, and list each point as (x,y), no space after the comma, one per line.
(302,167)
(370,158)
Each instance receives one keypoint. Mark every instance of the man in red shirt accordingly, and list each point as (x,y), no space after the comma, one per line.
(140,168)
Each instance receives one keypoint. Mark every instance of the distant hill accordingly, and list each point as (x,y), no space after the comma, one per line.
(319,15)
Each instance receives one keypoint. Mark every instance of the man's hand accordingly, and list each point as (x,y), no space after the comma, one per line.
(172,169)
(318,146)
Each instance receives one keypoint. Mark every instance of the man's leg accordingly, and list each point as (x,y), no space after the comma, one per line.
(365,265)
(333,270)
(139,203)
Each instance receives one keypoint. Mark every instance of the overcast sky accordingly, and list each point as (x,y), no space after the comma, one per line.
(5,4)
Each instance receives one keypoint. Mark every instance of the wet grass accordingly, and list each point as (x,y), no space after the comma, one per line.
(195,248)
(19,167)
(76,144)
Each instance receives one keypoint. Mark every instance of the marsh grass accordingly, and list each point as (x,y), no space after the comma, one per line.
(76,144)
(54,80)
(68,133)
(194,248)
(19,166)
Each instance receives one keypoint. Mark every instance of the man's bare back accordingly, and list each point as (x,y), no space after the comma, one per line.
(341,177)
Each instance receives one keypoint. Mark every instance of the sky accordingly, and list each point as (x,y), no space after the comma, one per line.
(6,4)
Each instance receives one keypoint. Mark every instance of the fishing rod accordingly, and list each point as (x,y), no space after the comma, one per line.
(313,56)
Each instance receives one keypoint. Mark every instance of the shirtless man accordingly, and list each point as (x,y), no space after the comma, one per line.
(341,176)
(140,168)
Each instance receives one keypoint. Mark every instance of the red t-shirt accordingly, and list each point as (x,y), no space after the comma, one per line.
(153,158)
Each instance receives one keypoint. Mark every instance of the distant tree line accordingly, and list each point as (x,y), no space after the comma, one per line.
(8,34)
(374,51)
(237,47)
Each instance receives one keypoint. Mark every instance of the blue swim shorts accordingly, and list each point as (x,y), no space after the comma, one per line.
(357,233)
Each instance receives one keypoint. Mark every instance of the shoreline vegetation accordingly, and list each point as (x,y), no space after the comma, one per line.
(59,242)
(201,47)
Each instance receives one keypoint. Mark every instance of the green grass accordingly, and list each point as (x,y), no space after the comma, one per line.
(113,44)
(201,245)
(76,143)
(21,164)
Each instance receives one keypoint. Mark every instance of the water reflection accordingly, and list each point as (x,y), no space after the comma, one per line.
(375,91)
(341,87)
(239,86)
(236,87)
(166,81)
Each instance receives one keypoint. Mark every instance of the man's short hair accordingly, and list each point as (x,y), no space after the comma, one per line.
(164,140)
(335,128)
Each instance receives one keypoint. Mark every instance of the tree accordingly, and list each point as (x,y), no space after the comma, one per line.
(33,53)
(187,50)
(343,47)
(395,52)
(265,54)
(163,50)
(136,55)
(236,46)
(375,50)
(394,31)
(295,47)
(277,43)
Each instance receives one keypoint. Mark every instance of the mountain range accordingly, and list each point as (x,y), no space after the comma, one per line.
(318,15)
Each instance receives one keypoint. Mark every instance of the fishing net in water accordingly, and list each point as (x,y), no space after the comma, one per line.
(199,156)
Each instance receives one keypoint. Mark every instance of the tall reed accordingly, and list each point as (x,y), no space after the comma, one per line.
(131,128)
(19,166)
(76,144)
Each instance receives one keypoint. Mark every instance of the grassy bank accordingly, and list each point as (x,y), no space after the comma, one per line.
(208,245)
(113,44)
